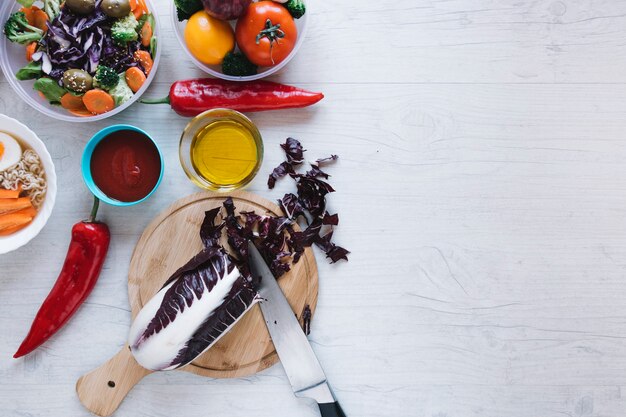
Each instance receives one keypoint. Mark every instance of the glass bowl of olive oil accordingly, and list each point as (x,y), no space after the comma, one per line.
(221,150)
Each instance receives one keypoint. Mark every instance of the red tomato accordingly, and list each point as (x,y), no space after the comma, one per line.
(266,33)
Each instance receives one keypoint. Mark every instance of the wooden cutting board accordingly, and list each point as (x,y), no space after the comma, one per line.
(168,242)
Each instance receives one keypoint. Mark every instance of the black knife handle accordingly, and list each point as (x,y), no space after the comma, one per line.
(331,410)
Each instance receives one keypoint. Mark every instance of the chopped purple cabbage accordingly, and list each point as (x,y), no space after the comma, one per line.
(306,319)
(84,42)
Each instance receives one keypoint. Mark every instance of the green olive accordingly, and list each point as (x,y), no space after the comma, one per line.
(81,6)
(116,8)
(78,81)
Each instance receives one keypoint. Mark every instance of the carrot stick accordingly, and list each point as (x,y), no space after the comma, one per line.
(31,211)
(133,5)
(11,193)
(8,205)
(146,34)
(30,50)
(98,101)
(71,102)
(11,230)
(144,58)
(135,78)
(11,220)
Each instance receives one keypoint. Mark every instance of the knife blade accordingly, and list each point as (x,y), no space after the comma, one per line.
(304,372)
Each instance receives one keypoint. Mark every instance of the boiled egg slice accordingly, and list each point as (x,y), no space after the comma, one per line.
(10,152)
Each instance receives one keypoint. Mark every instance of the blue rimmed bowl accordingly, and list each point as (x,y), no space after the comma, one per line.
(86,164)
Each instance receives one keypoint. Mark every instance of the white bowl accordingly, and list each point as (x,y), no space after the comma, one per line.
(216,70)
(25,135)
(12,58)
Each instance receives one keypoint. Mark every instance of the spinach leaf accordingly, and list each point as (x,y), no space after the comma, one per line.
(30,72)
(50,89)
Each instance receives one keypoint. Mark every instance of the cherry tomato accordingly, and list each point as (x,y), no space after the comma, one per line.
(208,38)
(266,33)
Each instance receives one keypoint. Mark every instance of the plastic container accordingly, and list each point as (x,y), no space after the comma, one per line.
(216,70)
(27,137)
(12,58)
(200,122)
(85,165)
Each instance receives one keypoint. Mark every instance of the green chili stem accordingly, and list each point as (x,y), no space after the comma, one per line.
(94,209)
(165,100)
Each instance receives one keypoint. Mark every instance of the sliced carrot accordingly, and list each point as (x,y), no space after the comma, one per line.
(8,205)
(11,230)
(98,101)
(12,220)
(30,50)
(133,5)
(40,19)
(80,112)
(146,34)
(71,102)
(35,17)
(42,95)
(144,58)
(11,193)
(30,14)
(141,9)
(135,78)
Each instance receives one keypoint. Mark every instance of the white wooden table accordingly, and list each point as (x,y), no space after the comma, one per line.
(482,192)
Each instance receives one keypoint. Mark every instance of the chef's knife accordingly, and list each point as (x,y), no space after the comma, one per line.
(303,370)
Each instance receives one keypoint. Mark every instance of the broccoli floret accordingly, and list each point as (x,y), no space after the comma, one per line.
(121,93)
(124,30)
(296,8)
(106,77)
(18,30)
(186,8)
(52,8)
(237,64)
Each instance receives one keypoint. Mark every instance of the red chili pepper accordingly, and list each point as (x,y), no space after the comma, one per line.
(192,97)
(85,256)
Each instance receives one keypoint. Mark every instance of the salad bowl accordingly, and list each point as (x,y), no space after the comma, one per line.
(216,70)
(12,59)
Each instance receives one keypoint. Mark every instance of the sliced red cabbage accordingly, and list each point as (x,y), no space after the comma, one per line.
(279,172)
(46,65)
(294,151)
(309,204)
(84,42)
(306,319)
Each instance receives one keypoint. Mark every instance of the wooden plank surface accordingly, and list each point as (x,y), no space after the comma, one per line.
(482,193)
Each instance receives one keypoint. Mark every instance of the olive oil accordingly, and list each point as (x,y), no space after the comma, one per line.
(224,153)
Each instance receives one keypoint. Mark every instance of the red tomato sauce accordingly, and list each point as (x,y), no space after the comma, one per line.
(126,165)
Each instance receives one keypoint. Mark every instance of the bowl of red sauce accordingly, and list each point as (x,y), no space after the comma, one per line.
(122,165)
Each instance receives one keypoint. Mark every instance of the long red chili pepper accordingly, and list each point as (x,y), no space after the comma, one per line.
(85,256)
(192,97)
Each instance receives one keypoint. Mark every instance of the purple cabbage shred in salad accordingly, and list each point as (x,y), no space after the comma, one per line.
(84,42)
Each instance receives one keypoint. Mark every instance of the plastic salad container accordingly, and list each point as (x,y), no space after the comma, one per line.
(12,59)
(216,70)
